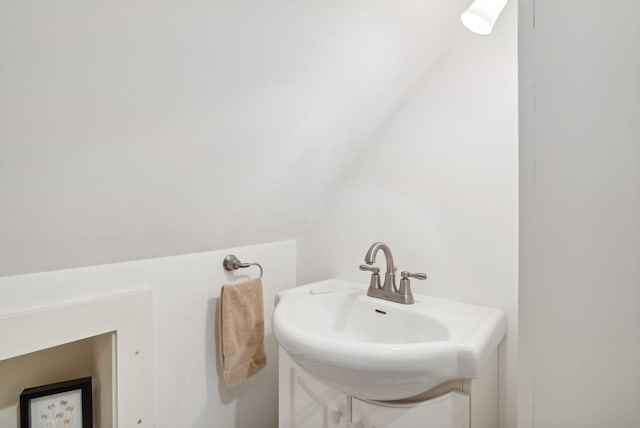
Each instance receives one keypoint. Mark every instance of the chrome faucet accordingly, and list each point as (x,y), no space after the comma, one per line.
(388,290)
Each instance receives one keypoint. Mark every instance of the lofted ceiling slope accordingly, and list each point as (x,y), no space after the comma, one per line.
(140,129)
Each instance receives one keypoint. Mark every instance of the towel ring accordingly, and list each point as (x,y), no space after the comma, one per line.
(232,263)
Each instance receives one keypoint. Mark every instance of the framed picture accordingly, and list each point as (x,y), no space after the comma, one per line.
(58,405)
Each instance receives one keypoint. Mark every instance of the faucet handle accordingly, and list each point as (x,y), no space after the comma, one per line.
(405,285)
(406,275)
(374,283)
(368,268)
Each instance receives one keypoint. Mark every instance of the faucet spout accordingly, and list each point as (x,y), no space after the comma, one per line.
(390,275)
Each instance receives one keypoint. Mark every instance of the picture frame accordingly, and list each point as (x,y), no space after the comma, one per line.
(58,405)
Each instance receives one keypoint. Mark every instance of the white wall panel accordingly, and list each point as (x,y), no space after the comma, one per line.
(580,210)
(187,387)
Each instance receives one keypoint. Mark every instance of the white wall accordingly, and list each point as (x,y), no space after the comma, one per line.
(187,386)
(440,187)
(131,130)
(146,129)
(580,210)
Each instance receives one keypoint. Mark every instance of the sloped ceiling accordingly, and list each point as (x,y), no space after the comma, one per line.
(141,129)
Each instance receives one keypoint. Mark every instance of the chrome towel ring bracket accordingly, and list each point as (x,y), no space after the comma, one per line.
(232,263)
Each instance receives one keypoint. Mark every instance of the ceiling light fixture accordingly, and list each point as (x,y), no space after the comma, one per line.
(480,17)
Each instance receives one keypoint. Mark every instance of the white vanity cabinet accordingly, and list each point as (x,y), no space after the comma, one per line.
(305,402)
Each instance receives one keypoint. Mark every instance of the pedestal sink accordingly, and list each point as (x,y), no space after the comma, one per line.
(381,350)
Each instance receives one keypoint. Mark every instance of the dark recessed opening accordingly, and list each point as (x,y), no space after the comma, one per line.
(381,312)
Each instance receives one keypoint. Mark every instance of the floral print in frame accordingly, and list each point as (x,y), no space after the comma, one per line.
(61,405)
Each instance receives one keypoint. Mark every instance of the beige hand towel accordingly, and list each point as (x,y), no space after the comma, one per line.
(241,331)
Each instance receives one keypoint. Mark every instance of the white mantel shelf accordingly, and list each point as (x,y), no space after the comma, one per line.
(128,315)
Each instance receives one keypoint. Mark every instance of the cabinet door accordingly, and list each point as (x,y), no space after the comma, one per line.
(306,402)
(450,410)
(316,405)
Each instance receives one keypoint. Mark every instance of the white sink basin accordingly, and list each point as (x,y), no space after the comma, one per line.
(380,350)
